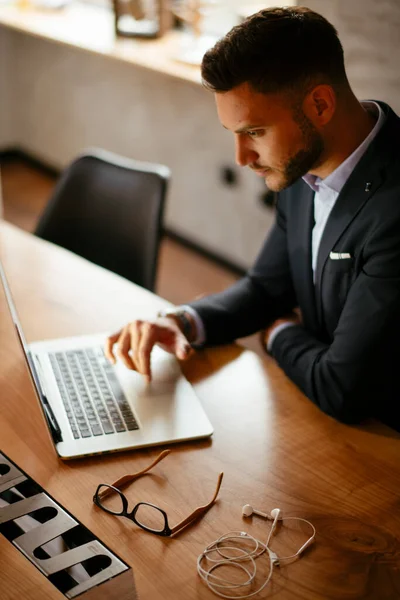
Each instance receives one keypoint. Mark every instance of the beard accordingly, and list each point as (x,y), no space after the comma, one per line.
(304,160)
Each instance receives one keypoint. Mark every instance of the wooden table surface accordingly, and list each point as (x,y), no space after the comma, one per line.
(276,450)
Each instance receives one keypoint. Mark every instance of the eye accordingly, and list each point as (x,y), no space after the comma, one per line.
(255,133)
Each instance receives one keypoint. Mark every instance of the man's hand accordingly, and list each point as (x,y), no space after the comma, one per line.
(294,317)
(136,340)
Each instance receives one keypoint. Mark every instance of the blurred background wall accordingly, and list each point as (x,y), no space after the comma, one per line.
(370,34)
(56,100)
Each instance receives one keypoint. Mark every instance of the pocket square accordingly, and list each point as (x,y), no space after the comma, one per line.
(339,255)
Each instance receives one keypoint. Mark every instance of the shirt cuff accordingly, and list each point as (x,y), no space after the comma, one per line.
(275,332)
(200,330)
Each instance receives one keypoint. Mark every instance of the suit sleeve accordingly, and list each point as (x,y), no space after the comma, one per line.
(264,294)
(339,377)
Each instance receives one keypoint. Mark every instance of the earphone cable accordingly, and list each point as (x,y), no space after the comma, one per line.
(230,542)
(214,582)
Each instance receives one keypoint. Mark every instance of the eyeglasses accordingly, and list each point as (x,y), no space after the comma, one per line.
(147,516)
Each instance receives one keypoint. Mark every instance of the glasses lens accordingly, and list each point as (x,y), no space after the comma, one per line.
(110,500)
(150,517)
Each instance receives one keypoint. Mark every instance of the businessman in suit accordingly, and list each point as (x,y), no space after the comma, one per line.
(325,288)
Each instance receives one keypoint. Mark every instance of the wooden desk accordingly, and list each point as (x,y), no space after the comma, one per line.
(275,447)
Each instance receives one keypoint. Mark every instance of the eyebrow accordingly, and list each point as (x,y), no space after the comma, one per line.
(246,128)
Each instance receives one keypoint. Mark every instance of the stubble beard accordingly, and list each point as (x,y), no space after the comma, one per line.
(305,159)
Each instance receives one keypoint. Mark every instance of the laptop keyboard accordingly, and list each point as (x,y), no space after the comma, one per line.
(91,393)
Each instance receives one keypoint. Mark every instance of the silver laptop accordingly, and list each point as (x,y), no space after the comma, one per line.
(93,407)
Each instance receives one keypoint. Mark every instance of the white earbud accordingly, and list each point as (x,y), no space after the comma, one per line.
(248,510)
(275,513)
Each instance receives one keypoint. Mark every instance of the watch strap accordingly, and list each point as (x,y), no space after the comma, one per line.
(180,315)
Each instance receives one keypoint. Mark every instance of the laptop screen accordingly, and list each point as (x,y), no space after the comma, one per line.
(13,311)
(29,361)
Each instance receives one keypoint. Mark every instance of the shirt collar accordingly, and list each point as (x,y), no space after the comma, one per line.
(336,180)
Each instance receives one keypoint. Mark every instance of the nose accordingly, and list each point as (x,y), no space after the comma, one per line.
(243,154)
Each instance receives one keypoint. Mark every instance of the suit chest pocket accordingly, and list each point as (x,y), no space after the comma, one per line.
(338,277)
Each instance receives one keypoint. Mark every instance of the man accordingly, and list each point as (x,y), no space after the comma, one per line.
(333,255)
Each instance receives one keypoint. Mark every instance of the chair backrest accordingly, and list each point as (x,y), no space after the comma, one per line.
(109,210)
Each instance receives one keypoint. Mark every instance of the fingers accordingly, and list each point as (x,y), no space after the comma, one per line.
(109,345)
(122,341)
(133,346)
(135,332)
(124,347)
(172,340)
(183,349)
(147,340)
(134,343)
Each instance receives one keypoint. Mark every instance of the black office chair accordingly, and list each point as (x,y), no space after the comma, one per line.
(109,210)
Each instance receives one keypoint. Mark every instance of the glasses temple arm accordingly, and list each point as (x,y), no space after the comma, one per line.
(127,479)
(199,511)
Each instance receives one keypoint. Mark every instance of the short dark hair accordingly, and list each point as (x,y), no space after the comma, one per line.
(276,50)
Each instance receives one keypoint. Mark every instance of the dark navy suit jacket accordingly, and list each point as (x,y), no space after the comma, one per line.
(346,355)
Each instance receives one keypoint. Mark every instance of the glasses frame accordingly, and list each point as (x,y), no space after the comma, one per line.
(124,481)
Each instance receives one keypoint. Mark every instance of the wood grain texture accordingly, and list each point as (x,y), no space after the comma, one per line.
(275,448)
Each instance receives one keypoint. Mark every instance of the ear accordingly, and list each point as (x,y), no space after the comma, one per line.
(319,105)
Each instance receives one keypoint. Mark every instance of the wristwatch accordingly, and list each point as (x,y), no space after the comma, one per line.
(178,313)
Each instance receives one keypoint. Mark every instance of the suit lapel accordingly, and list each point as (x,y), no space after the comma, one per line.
(361,185)
(301,255)
(350,201)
